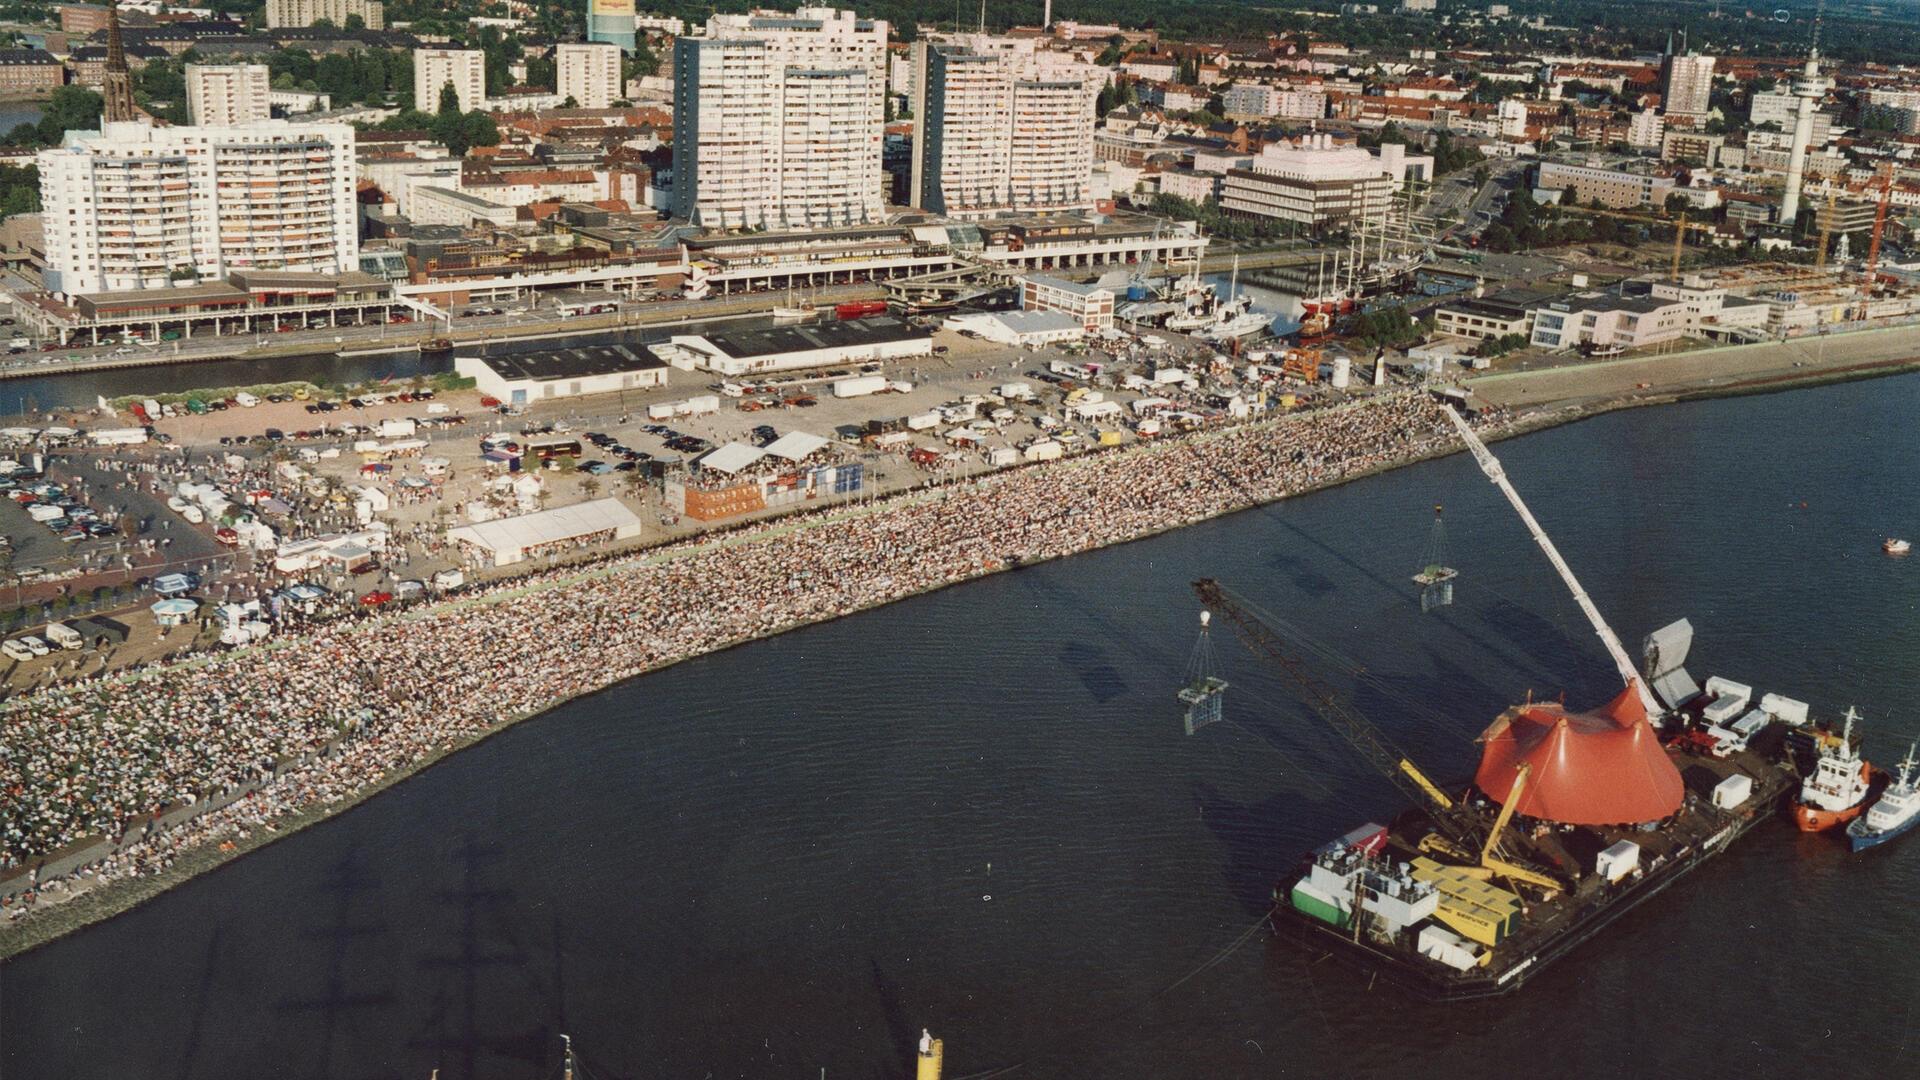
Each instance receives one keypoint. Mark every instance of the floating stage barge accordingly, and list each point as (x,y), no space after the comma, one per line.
(1519,937)
(1572,819)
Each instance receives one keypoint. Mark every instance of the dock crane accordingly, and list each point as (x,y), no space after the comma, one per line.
(1456,834)
(1498,474)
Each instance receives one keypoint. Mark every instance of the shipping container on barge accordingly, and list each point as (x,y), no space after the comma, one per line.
(1573,818)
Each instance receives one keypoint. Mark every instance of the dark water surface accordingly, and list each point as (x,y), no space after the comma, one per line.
(775,860)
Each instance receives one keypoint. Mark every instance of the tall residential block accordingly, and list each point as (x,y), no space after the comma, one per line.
(307,12)
(435,69)
(779,120)
(1688,90)
(222,95)
(611,22)
(132,206)
(1002,127)
(589,73)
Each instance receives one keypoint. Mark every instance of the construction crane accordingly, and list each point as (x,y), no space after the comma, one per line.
(1498,474)
(1456,835)
(1263,640)
(1488,863)
(1885,176)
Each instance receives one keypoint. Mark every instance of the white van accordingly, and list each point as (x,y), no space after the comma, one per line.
(64,636)
(449,579)
(246,400)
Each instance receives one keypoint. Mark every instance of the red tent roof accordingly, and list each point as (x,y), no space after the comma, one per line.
(1604,767)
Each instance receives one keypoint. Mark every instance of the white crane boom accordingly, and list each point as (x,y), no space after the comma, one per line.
(1491,466)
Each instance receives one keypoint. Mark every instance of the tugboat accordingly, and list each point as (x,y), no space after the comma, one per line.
(1895,813)
(1837,791)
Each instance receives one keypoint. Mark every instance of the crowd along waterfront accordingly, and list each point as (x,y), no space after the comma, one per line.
(976,810)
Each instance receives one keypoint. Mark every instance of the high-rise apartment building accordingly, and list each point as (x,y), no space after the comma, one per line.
(588,73)
(434,69)
(779,119)
(222,95)
(1002,126)
(132,206)
(611,22)
(1688,89)
(307,12)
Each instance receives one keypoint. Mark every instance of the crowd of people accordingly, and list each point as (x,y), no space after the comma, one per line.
(310,719)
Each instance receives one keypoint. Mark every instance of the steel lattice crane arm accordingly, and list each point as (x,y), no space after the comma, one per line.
(1491,466)
(1264,641)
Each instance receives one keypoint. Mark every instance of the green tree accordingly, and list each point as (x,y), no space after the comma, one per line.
(355,22)
(449,101)
(69,108)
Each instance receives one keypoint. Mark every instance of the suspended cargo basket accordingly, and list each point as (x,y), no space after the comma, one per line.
(1202,699)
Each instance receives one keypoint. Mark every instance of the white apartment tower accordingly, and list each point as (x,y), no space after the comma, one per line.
(1001,127)
(1689,85)
(132,206)
(433,69)
(588,73)
(222,95)
(779,120)
(307,12)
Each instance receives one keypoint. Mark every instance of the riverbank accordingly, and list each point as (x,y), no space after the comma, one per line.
(220,841)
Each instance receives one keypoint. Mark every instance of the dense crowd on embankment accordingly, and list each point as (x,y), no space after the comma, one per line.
(87,759)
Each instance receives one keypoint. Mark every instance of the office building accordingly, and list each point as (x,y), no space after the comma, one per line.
(611,22)
(779,120)
(1002,127)
(588,73)
(133,206)
(283,13)
(434,69)
(1688,85)
(1319,185)
(222,95)
(1612,188)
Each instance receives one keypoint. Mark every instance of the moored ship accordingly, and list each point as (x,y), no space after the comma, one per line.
(1896,811)
(1836,792)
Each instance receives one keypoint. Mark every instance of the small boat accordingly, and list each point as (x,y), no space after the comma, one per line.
(438,344)
(1896,811)
(1894,546)
(1836,792)
(793,314)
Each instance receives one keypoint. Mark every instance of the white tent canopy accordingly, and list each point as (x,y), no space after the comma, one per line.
(796,446)
(731,458)
(507,540)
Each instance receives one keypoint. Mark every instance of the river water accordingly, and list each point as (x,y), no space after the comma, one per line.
(976,811)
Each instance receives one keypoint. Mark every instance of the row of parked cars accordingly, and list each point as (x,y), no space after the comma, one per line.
(49,504)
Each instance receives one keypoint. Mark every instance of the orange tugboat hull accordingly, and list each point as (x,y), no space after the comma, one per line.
(1814,819)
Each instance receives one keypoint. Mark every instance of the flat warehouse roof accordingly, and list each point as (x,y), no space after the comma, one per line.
(578,363)
(879,329)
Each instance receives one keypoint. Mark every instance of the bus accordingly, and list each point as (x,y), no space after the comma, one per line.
(588,307)
(546,447)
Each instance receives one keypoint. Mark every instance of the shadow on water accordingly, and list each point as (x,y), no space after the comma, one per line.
(1302,574)
(902,1036)
(1255,841)
(484,945)
(354,919)
(1089,663)
(196,1026)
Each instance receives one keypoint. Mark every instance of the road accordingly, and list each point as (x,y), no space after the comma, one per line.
(1670,374)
